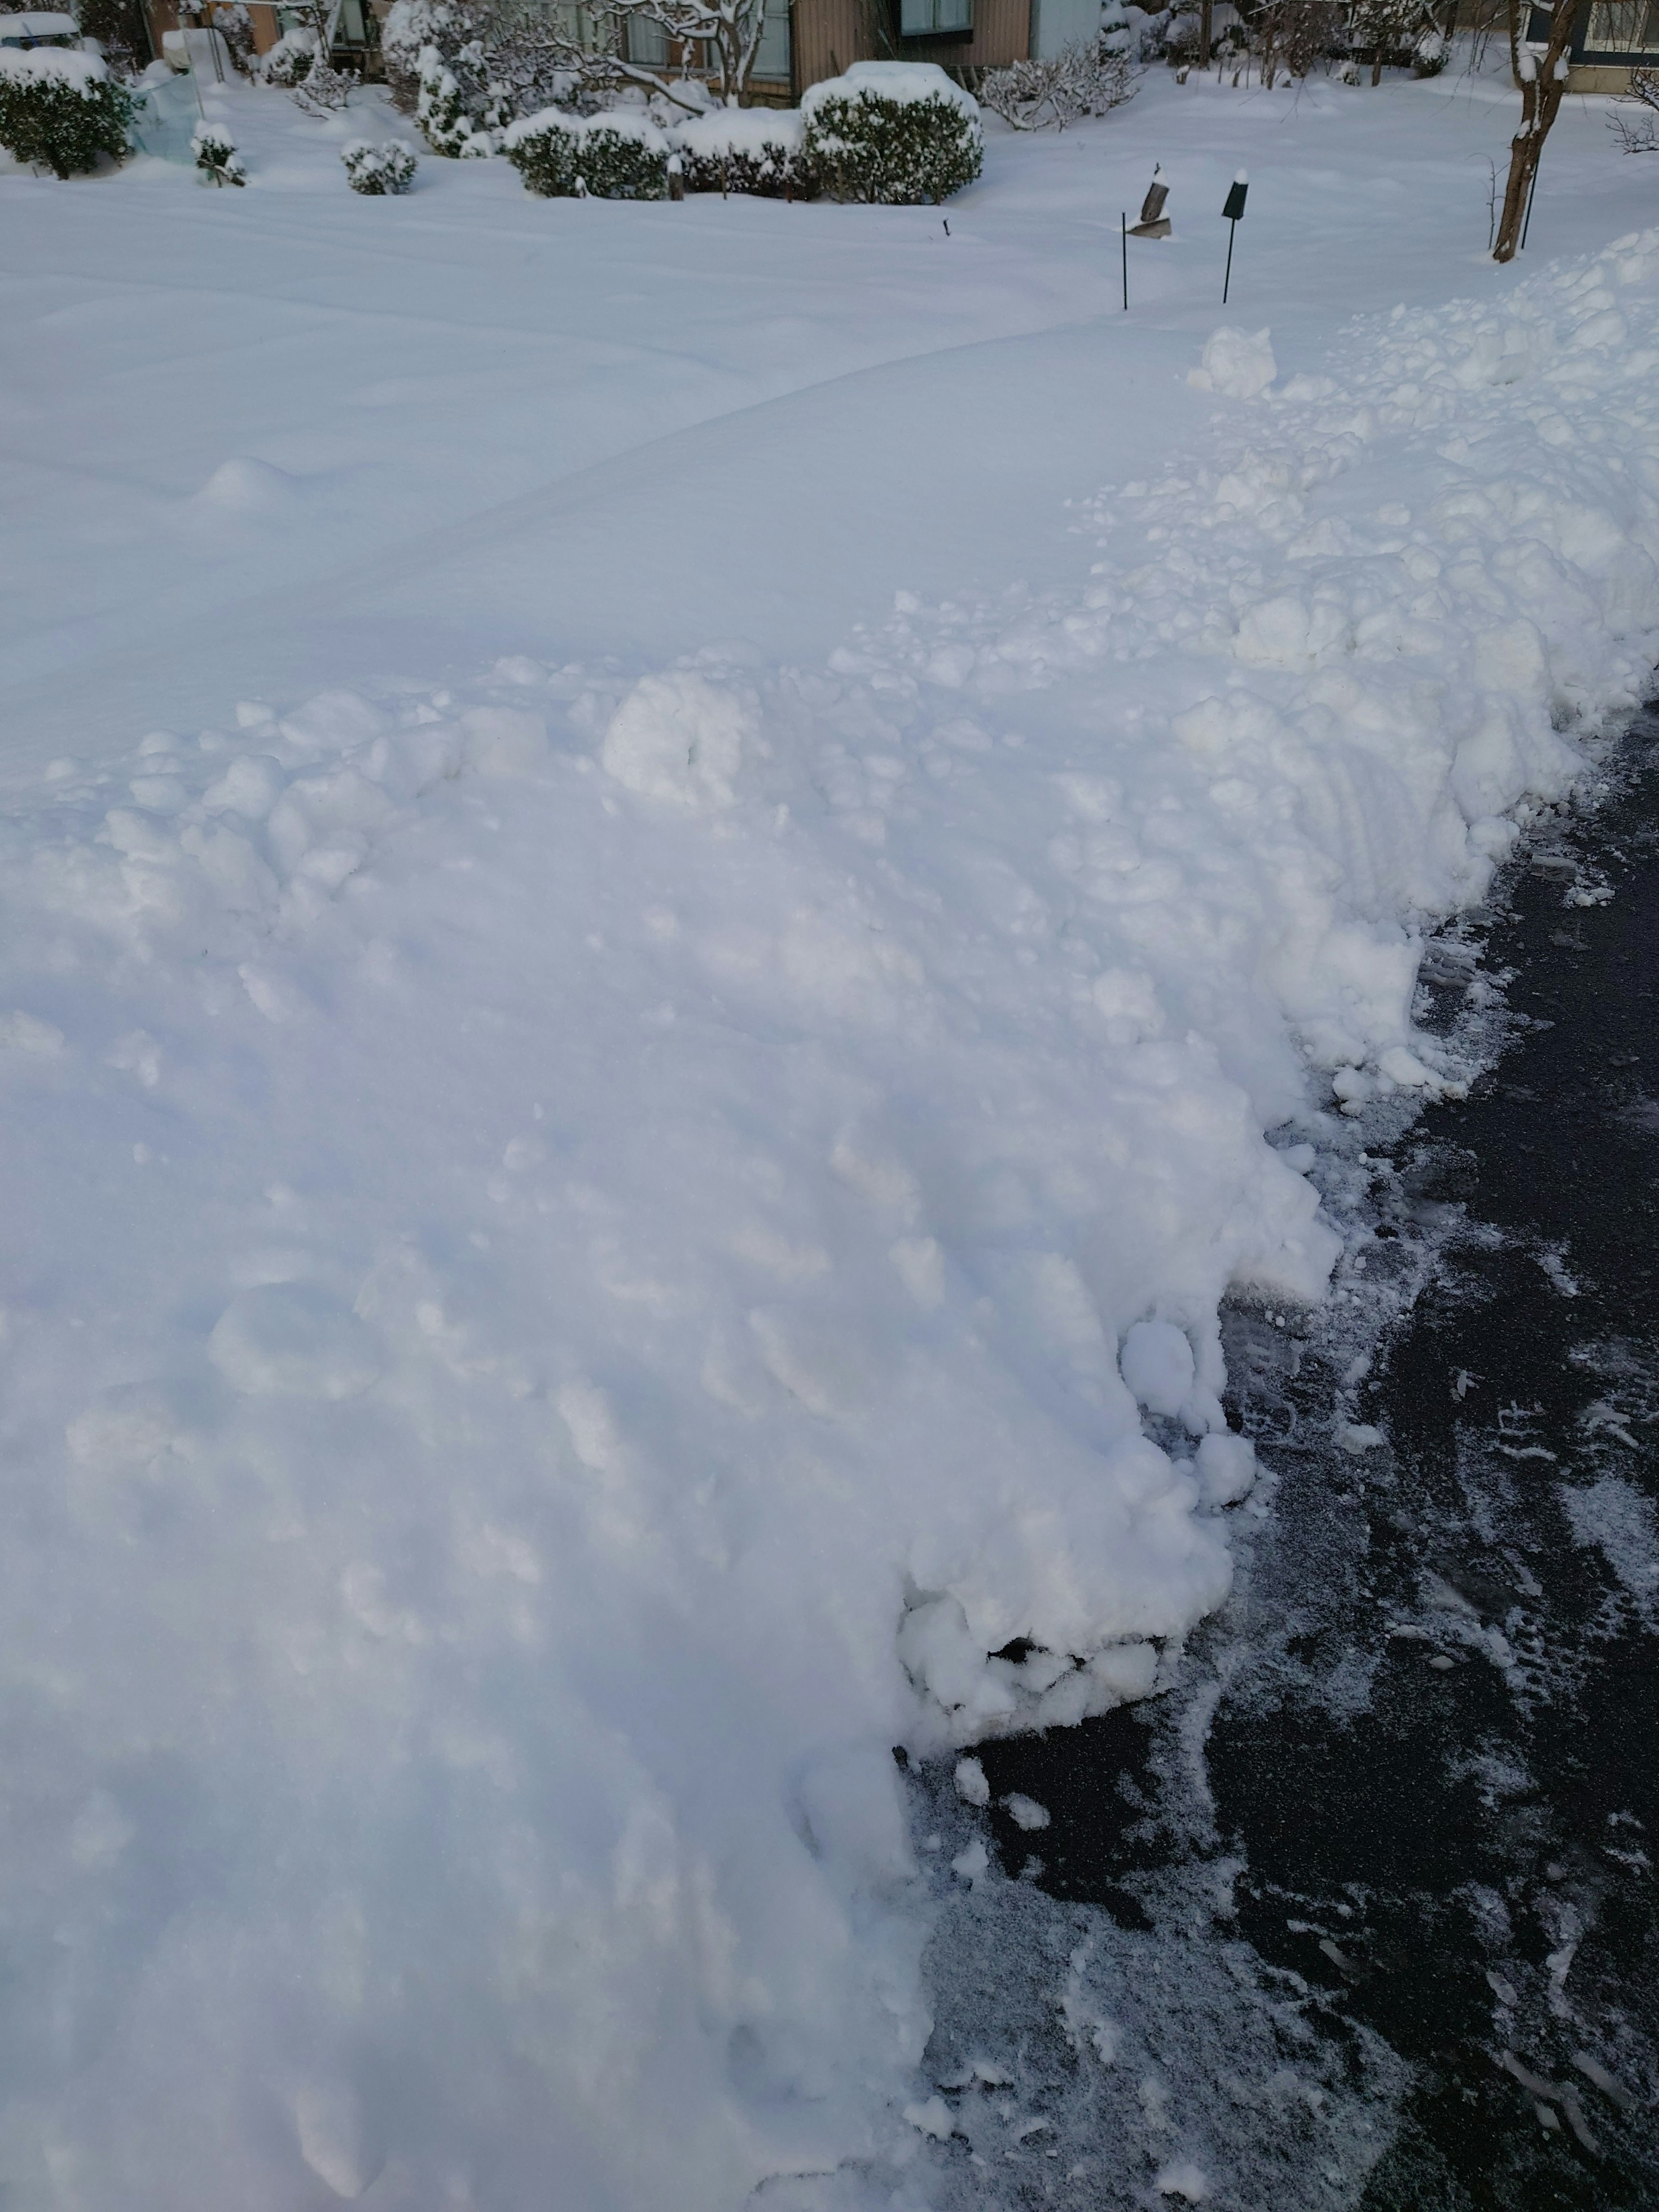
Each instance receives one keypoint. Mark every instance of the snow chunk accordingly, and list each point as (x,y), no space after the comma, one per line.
(1025,1813)
(972,1787)
(1156,1363)
(680,739)
(1236,365)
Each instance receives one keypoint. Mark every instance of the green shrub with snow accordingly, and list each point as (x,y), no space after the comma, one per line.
(760,150)
(291,60)
(216,155)
(896,132)
(607,157)
(387,168)
(60,109)
(453,106)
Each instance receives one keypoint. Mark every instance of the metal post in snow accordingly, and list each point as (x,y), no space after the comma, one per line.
(1124,222)
(1234,211)
(1532,194)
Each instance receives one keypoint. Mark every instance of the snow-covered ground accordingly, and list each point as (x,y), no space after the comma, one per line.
(662,867)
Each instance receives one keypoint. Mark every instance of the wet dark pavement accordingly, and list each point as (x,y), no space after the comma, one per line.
(1434,1741)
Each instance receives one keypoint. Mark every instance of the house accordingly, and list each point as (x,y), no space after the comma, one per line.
(1610,38)
(803,41)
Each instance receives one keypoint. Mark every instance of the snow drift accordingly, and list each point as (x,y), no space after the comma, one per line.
(585,1257)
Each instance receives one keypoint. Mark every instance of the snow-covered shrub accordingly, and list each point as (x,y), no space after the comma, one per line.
(235,27)
(411,26)
(452,107)
(1429,55)
(216,155)
(894,133)
(608,157)
(60,109)
(1083,81)
(386,169)
(744,149)
(290,60)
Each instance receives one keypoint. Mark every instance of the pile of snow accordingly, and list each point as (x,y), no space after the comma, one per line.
(583,1256)
(1236,363)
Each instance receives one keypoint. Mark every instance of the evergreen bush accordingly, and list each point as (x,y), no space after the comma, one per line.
(290,60)
(895,132)
(60,109)
(758,150)
(374,169)
(216,155)
(608,157)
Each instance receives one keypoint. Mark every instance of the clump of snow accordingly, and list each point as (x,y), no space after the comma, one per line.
(1237,364)
(680,739)
(749,130)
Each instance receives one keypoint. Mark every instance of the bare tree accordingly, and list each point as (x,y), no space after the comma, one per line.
(1542,83)
(1639,135)
(1292,35)
(716,37)
(1081,80)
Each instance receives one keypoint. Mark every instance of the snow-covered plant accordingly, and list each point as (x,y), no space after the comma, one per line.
(1429,54)
(896,132)
(1640,134)
(453,106)
(216,155)
(607,157)
(389,167)
(409,27)
(235,27)
(60,110)
(1292,35)
(1082,80)
(290,59)
(1386,29)
(759,150)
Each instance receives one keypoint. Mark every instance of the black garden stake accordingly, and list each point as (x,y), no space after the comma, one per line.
(1233,213)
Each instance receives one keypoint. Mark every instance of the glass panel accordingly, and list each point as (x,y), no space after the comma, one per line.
(1618,27)
(648,43)
(954,15)
(915,18)
(772,56)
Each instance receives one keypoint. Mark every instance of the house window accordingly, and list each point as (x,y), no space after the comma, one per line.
(1623,27)
(936,19)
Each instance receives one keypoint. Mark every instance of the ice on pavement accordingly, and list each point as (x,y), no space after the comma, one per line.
(587,1248)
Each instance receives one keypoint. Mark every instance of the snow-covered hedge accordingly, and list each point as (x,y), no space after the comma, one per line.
(749,149)
(376,169)
(898,132)
(609,157)
(216,155)
(290,60)
(60,109)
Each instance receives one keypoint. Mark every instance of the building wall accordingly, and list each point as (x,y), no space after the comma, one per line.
(828,34)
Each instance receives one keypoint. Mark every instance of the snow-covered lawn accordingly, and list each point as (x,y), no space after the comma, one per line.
(643,983)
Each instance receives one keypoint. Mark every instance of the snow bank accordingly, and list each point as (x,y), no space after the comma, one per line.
(583,1256)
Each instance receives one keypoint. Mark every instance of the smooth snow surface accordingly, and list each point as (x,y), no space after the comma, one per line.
(605,1205)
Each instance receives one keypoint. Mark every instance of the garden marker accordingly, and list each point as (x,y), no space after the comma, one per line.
(1232,212)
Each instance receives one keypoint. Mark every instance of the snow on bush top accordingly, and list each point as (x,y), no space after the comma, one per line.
(638,128)
(739,130)
(44,64)
(899,82)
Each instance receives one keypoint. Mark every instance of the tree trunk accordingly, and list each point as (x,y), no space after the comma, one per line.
(1541,91)
(1376,66)
(1205,21)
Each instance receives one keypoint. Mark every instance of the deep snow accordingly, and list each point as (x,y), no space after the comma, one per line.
(626,1169)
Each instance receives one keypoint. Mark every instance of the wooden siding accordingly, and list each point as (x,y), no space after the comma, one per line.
(827,34)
